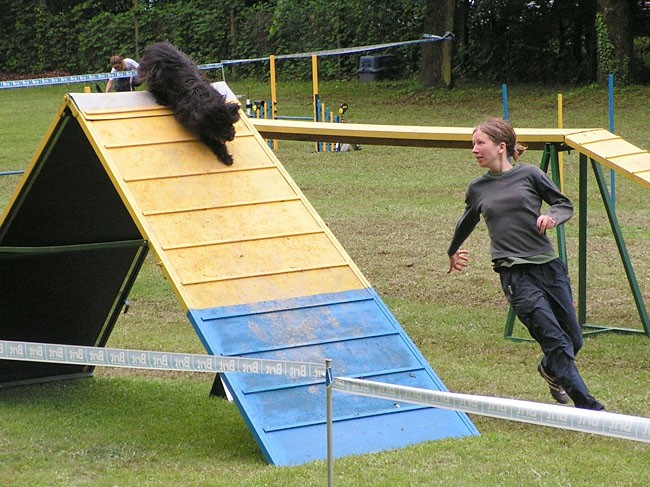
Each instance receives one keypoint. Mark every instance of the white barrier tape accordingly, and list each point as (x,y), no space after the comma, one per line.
(426,38)
(142,359)
(83,78)
(62,80)
(583,420)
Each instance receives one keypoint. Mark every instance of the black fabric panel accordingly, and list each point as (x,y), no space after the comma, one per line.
(58,298)
(68,199)
(63,297)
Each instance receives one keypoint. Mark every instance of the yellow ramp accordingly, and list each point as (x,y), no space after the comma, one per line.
(212,227)
(613,152)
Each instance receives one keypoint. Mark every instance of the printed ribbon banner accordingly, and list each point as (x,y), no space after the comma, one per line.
(141,359)
(586,421)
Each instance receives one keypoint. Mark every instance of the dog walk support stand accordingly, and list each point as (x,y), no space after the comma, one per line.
(257,272)
(601,142)
(601,146)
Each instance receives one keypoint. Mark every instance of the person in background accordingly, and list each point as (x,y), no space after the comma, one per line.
(122,64)
(534,280)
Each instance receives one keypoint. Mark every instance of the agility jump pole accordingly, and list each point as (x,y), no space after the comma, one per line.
(315,93)
(603,423)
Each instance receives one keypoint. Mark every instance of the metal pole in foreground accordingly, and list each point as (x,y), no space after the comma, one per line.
(330,448)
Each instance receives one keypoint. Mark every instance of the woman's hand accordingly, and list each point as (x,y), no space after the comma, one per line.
(545,222)
(459,260)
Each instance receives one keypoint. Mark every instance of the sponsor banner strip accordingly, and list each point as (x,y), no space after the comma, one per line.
(141,359)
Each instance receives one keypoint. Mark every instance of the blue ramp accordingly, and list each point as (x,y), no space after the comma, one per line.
(363,339)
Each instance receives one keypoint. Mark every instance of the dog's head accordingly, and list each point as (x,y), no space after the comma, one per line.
(220,120)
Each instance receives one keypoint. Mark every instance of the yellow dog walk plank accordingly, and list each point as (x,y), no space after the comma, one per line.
(400,135)
(614,153)
(603,146)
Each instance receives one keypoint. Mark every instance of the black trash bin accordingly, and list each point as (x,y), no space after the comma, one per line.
(375,68)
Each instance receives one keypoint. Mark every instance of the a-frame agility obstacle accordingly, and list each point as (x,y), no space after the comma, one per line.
(255,268)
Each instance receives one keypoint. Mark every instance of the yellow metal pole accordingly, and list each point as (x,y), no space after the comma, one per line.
(314,80)
(274,96)
(560,156)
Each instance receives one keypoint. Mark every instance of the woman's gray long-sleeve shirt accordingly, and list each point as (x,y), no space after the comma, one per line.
(510,203)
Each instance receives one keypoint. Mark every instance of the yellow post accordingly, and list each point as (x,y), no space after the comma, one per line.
(86,89)
(314,77)
(560,157)
(274,96)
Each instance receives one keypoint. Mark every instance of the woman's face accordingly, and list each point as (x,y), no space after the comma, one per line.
(487,152)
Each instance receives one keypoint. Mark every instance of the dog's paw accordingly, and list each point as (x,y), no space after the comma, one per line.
(226,159)
(222,154)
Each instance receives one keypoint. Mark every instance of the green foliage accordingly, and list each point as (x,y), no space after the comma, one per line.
(607,61)
(500,40)
(518,40)
(642,53)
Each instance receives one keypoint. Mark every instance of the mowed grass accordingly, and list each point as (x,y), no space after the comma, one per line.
(393,209)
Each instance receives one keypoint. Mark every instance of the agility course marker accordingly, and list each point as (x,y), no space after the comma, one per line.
(64,80)
(426,38)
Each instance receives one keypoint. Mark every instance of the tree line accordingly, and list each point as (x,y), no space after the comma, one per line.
(566,41)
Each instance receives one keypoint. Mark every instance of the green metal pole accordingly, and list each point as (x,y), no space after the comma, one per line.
(582,241)
(553,158)
(622,249)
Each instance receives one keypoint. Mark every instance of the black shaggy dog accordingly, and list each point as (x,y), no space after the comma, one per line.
(175,81)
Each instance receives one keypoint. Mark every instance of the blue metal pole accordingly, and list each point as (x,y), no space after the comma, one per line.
(504,97)
(330,422)
(612,173)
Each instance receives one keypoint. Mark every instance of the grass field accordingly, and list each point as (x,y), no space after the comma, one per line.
(393,209)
